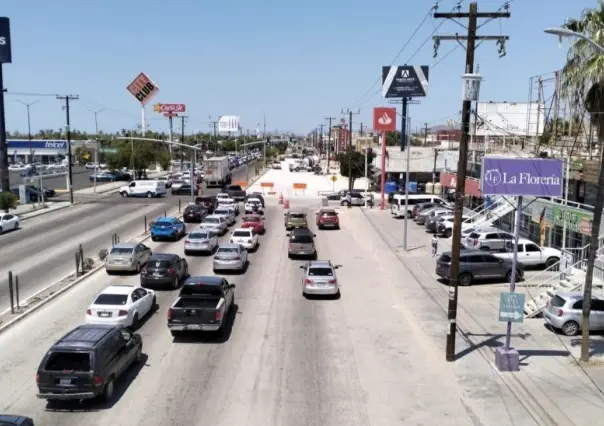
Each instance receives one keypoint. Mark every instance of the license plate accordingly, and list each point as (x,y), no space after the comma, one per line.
(156,274)
(104,314)
(65,381)
(193,327)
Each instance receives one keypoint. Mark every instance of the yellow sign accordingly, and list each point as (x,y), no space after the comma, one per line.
(333,178)
(157,108)
(86,156)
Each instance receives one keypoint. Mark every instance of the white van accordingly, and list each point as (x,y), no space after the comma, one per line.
(397,208)
(144,188)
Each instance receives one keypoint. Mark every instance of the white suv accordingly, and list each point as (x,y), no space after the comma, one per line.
(494,239)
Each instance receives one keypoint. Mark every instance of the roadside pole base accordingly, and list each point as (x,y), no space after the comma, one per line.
(507,359)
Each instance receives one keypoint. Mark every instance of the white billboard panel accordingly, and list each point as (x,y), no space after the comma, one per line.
(228,123)
(510,119)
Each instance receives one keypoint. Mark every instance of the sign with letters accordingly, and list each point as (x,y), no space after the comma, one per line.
(384,119)
(5,42)
(405,81)
(537,177)
(511,307)
(143,89)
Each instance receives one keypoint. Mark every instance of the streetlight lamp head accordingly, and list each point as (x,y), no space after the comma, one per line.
(560,32)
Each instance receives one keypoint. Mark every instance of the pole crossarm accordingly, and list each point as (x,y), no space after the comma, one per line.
(465,15)
(477,38)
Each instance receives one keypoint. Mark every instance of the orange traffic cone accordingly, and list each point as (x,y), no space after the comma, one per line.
(281,198)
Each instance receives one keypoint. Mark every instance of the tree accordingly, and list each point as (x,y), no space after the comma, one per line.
(583,86)
(8,201)
(357,163)
(139,155)
(82,155)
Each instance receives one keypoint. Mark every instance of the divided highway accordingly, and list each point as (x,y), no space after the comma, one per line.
(286,360)
(42,251)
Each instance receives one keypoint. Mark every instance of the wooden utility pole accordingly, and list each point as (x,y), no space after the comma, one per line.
(329,141)
(350,114)
(426,135)
(554,138)
(471,40)
(68,98)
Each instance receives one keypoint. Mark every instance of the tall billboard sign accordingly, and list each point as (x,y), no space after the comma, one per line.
(228,124)
(143,89)
(405,81)
(169,108)
(6,56)
(536,177)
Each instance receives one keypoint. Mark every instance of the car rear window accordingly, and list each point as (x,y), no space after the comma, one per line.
(320,272)
(211,220)
(158,264)
(474,235)
(228,250)
(121,250)
(111,299)
(297,216)
(557,301)
(251,219)
(445,258)
(192,208)
(301,239)
(200,289)
(198,236)
(241,233)
(222,211)
(68,361)
(331,214)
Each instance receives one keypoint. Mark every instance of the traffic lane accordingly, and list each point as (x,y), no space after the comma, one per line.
(43,251)
(24,345)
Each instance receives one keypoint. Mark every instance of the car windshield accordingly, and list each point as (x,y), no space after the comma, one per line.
(251,219)
(297,216)
(121,250)
(242,234)
(222,211)
(211,220)
(228,250)
(445,258)
(474,235)
(198,236)
(111,299)
(162,222)
(68,361)
(320,272)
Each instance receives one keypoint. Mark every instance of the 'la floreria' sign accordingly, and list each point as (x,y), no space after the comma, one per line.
(537,177)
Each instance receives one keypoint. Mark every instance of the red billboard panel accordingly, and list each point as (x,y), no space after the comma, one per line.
(384,119)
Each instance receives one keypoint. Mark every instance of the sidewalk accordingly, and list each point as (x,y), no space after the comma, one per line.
(551,385)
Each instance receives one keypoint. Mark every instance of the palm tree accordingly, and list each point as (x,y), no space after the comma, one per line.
(583,86)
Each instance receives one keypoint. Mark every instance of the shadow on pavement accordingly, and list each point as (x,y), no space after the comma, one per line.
(491,341)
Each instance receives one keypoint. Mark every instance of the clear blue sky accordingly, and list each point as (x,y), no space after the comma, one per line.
(295,61)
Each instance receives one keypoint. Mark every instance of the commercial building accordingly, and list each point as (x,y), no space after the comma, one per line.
(44,151)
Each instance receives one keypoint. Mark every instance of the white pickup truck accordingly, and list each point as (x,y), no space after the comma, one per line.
(530,254)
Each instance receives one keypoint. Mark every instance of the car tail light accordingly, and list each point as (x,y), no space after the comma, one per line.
(307,281)
(187,241)
(98,380)
(475,242)
(218,315)
(170,270)
(560,312)
(122,313)
(37,378)
(331,281)
(237,258)
(88,312)
(170,313)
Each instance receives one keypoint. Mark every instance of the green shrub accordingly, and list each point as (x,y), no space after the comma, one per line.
(8,201)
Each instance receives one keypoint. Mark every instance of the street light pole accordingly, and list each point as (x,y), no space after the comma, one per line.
(27,105)
(96,137)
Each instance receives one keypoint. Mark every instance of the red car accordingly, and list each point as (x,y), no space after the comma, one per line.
(254,221)
(327,218)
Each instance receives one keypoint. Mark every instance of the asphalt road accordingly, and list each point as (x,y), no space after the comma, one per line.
(286,360)
(80,180)
(42,251)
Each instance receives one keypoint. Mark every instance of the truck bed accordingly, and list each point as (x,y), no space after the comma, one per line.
(197,302)
(197,313)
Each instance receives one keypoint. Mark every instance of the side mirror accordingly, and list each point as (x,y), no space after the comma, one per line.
(301,266)
(338,266)
(314,235)
(233,286)
(288,234)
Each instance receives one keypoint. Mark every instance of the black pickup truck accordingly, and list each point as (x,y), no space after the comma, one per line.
(235,192)
(202,305)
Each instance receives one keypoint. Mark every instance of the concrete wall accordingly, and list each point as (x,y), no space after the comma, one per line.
(421,160)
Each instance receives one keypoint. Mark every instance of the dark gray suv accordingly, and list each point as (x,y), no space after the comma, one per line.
(476,265)
(86,363)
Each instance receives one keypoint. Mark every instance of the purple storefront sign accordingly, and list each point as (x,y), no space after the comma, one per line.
(522,176)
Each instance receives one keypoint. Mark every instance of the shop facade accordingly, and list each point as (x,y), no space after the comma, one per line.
(43,151)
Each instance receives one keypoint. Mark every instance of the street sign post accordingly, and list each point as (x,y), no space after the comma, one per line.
(511,307)
(108,150)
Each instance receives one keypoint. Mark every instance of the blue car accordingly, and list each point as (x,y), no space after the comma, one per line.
(167,228)
(103,177)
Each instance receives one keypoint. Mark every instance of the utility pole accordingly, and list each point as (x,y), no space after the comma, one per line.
(426,134)
(96,137)
(68,98)
(329,142)
(361,130)
(214,125)
(29,137)
(321,144)
(471,40)
(182,139)
(350,114)
(554,137)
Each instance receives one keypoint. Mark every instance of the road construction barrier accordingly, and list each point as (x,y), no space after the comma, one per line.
(281,198)
(268,187)
(299,188)
(241,183)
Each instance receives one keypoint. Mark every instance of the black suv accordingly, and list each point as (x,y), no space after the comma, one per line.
(86,362)
(194,213)
(164,269)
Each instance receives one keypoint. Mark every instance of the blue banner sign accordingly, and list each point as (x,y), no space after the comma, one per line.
(37,144)
(522,176)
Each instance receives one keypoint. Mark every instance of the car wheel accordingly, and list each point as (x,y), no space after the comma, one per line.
(448,233)
(149,195)
(175,333)
(1,230)
(135,322)
(508,276)
(17,225)
(109,389)
(153,239)
(139,355)
(465,279)
(175,283)
(124,194)
(154,305)
(551,262)
(570,328)
(138,268)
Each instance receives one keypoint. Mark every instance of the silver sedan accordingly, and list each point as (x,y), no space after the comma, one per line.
(230,257)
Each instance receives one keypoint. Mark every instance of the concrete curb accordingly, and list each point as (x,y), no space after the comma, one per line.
(69,286)
(41,212)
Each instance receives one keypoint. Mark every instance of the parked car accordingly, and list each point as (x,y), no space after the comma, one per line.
(428,214)
(86,363)
(475,265)
(530,254)
(356,199)
(201,241)
(121,305)
(294,219)
(202,305)
(127,257)
(255,222)
(488,240)
(168,227)
(301,244)
(48,192)
(319,279)
(194,213)
(102,177)
(564,312)
(230,257)
(327,218)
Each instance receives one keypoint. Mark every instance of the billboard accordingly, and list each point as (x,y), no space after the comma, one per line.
(5,42)
(522,176)
(510,118)
(142,88)
(228,123)
(405,81)
(384,119)
(170,108)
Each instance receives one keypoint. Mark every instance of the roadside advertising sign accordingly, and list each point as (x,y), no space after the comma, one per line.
(384,119)
(228,123)
(522,176)
(6,56)
(169,108)
(405,81)
(142,88)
